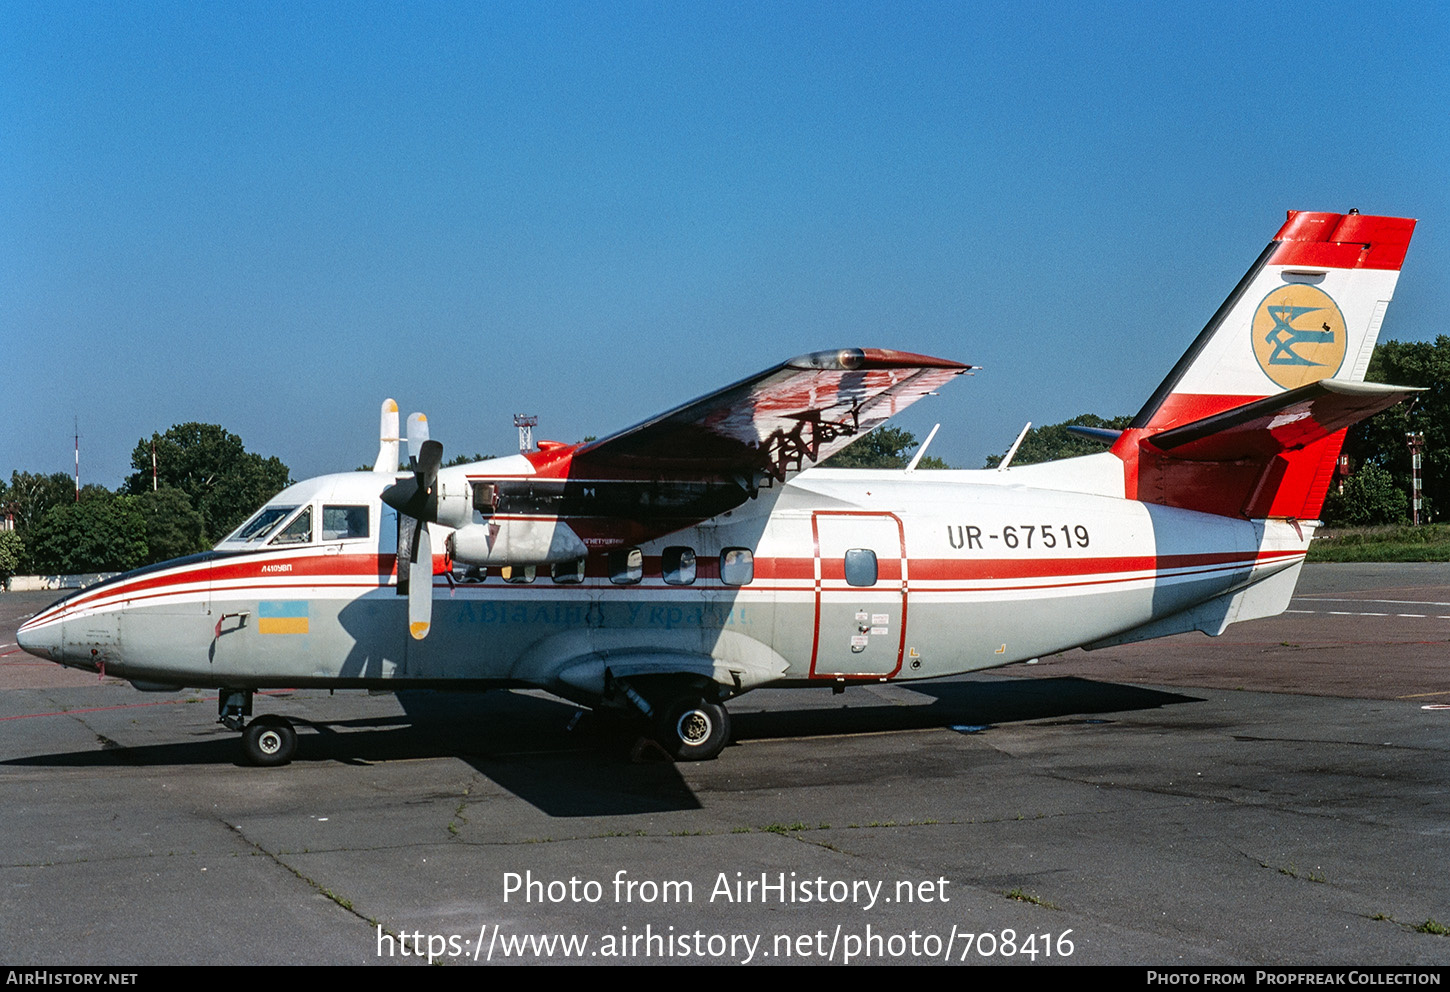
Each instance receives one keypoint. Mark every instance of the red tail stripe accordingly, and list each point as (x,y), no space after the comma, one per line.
(1342,241)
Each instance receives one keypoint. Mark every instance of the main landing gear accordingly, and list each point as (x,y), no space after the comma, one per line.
(693,728)
(269,740)
(684,716)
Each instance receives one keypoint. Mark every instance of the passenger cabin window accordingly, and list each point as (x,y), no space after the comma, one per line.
(261,525)
(299,531)
(569,572)
(678,565)
(518,574)
(861,567)
(626,567)
(737,566)
(344,523)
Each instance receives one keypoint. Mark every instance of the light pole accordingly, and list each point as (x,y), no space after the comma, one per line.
(1417,444)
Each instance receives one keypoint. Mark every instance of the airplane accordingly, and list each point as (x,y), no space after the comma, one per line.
(661,571)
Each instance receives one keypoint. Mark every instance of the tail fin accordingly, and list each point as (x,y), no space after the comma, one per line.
(1216,435)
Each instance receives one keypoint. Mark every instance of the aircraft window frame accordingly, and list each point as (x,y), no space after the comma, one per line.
(626,566)
(519,575)
(257,529)
(358,512)
(485,498)
(295,539)
(857,559)
(568,573)
(737,566)
(678,565)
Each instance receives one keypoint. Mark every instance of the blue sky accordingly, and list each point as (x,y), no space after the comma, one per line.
(271,216)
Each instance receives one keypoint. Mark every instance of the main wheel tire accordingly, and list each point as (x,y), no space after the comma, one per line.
(269,741)
(694,729)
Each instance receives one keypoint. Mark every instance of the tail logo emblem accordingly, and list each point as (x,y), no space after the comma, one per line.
(1298,335)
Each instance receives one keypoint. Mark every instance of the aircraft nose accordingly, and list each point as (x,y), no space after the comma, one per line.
(41,641)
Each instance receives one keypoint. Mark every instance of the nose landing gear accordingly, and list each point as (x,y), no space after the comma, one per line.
(269,740)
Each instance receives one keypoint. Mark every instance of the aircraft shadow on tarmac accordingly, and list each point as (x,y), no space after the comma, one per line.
(525,745)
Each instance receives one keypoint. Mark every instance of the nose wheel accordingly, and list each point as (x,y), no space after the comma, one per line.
(269,741)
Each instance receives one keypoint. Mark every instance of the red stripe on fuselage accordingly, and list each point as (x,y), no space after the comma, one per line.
(1110,569)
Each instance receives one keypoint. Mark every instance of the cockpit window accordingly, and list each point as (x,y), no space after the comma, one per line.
(344,523)
(262,524)
(299,531)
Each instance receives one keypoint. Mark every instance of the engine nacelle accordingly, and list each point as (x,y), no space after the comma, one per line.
(511,541)
(455,498)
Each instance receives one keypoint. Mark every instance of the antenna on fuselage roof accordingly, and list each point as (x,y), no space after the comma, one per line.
(916,458)
(1002,465)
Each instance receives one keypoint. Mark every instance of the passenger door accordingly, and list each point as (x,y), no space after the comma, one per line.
(861,591)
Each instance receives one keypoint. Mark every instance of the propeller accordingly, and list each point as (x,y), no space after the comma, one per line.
(416,500)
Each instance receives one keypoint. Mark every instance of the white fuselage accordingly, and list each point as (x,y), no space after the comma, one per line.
(836,576)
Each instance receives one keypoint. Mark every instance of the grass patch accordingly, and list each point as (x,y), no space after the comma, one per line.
(1308,876)
(1429,542)
(1021,896)
(1430,926)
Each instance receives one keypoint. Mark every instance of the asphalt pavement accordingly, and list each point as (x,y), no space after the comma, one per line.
(1278,795)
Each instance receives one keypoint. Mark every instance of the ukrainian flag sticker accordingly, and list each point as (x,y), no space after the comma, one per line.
(282,616)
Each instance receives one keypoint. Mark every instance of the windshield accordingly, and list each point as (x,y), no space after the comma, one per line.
(299,531)
(262,524)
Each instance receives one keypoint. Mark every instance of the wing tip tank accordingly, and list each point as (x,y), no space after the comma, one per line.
(853,359)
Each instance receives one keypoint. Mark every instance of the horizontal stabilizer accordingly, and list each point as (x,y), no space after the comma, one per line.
(1271,457)
(1285,422)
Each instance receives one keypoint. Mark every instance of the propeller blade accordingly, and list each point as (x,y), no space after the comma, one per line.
(420,584)
(416,500)
(417,435)
(387,460)
(430,459)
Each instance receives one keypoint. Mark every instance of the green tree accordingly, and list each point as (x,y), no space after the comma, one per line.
(99,534)
(173,528)
(12,554)
(31,496)
(1380,441)
(223,481)
(1369,497)
(1053,441)
(885,447)
(465,459)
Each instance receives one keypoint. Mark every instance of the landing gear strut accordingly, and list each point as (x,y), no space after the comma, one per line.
(268,740)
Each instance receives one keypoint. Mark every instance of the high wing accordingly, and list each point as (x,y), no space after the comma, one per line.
(776,422)
(714,453)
